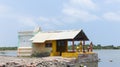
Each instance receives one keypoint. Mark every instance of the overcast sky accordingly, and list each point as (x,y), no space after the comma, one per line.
(100,19)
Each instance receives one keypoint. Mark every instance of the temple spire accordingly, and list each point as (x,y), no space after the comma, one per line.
(37,29)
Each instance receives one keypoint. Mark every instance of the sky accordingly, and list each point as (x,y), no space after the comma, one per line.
(99,19)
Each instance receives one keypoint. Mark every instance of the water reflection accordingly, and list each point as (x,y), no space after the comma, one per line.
(88,64)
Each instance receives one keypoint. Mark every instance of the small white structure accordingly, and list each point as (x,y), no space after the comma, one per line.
(25,45)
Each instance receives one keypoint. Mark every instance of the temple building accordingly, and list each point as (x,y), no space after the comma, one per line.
(24,43)
(55,43)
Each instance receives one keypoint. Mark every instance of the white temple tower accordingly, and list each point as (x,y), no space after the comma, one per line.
(24,43)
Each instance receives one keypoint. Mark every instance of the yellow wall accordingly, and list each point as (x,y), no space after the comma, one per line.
(40,47)
(54,51)
(70,54)
(64,54)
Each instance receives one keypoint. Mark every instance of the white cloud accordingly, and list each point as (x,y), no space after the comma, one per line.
(47,20)
(4,8)
(27,21)
(79,10)
(44,19)
(111,16)
(87,10)
(84,4)
(73,10)
(6,12)
(79,14)
(112,1)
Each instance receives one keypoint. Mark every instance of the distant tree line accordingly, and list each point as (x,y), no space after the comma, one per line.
(8,48)
(99,46)
(105,47)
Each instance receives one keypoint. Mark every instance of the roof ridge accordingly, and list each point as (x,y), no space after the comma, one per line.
(57,31)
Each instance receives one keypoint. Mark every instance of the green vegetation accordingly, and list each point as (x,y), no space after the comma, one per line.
(8,48)
(105,47)
(44,54)
(99,46)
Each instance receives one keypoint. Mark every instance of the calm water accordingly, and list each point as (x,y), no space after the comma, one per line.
(104,55)
(8,53)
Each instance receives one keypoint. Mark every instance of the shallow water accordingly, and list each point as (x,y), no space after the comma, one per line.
(8,53)
(106,57)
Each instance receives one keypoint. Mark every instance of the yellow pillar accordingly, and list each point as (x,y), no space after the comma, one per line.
(80,46)
(83,46)
(53,53)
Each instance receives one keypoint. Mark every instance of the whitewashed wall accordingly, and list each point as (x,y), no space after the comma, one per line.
(25,45)
(24,38)
(24,41)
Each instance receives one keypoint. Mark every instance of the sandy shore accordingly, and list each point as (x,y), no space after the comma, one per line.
(7,61)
